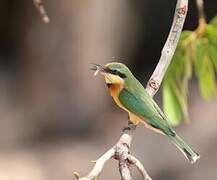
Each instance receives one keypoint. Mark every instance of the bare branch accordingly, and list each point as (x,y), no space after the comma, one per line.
(202,18)
(40,7)
(121,150)
(139,166)
(169,47)
(200,7)
(98,165)
(124,169)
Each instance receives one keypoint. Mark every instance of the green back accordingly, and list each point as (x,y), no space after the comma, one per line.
(146,110)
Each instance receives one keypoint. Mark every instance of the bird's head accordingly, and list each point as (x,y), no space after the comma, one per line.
(114,73)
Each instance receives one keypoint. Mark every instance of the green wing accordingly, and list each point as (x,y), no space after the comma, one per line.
(147,109)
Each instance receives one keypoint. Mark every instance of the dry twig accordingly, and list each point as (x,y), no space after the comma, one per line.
(139,166)
(202,18)
(40,7)
(169,47)
(120,151)
(200,7)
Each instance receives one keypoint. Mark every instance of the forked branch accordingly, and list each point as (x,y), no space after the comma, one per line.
(120,151)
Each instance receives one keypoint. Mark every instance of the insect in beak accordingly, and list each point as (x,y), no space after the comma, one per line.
(97,68)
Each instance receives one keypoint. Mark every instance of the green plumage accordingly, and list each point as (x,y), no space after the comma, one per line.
(134,97)
(145,110)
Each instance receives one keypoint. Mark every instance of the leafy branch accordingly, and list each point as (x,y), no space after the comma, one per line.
(196,54)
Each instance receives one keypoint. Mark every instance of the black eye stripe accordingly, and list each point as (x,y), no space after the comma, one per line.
(121,75)
(116,72)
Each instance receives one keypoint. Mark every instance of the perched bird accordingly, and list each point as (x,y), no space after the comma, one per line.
(131,96)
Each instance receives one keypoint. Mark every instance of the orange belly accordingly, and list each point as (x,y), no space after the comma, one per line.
(114,91)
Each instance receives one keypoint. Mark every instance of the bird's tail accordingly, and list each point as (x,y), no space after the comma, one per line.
(191,155)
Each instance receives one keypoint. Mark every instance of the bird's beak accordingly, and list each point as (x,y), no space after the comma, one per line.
(98,68)
(109,75)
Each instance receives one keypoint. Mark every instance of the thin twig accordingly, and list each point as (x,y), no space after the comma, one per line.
(139,166)
(98,165)
(200,7)
(121,150)
(202,18)
(40,7)
(169,47)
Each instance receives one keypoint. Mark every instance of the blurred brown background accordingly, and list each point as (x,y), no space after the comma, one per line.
(56,117)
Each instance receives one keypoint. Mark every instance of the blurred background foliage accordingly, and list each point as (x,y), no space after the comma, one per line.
(196,53)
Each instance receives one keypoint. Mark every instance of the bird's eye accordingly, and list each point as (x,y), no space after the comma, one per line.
(115,71)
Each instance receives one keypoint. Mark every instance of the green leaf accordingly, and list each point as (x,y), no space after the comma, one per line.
(213,55)
(177,66)
(184,35)
(204,70)
(171,106)
(199,57)
(195,51)
(181,95)
(207,83)
(214,21)
(187,74)
(175,69)
(177,77)
(211,34)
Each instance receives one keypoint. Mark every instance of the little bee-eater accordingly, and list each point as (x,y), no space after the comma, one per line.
(131,96)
